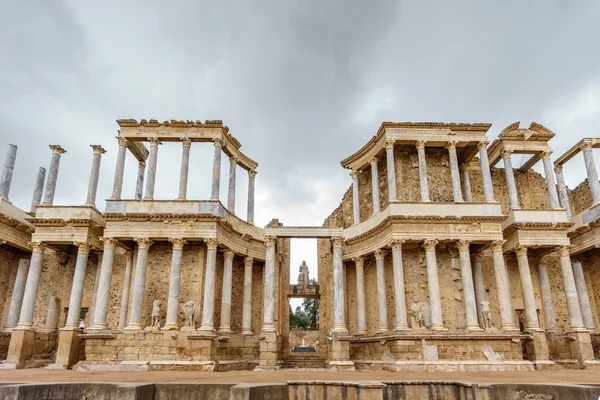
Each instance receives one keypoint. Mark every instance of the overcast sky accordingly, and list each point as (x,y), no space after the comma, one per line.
(301,84)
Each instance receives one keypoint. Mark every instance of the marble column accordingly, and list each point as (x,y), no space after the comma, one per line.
(151,174)
(507,310)
(18,292)
(7,173)
(38,190)
(488,187)
(120,168)
(250,211)
(546,292)
(466,274)
(435,300)
(225,326)
(454,172)
(216,176)
(527,289)
(339,314)
(361,314)
(562,190)
(31,286)
(231,188)
(590,167)
(550,184)
(185,165)
(382,320)
(401,317)
(101,304)
(208,307)
(479,285)
(94,175)
(52,314)
(269,286)
(139,284)
(575,317)
(126,289)
(510,180)
(92,311)
(52,175)
(139,183)
(423,170)
(391,170)
(247,305)
(375,185)
(172,320)
(466,181)
(584,298)
(355,197)
(73,315)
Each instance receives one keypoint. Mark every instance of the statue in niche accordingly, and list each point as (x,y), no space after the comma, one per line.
(189,310)
(418,313)
(156,313)
(486,314)
(303,276)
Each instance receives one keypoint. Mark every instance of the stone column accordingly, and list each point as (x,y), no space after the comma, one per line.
(38,190)
(479,285)
(7,173)
(401,317)
(590,167)
(247,306)
(454,172)
(510,180)
(391,170)
(185,163)
(575,317)
(339,314)
(52,175)
(423,170)
(101,303)
(546,291)
(225,326)
(83,250)
(584,298)
(269,286)
(360,296)
(488,188)
(119,170)
(562,190)
(507,310)
(375,184)
(139,284)
(468,288)
(382,320)
(216,178)
(466,181)
(126,289)
(151,175)
(550,184)
(208,306)
(93,185)
(355,198)
(172,321)
(139,183)
(437,323)
(92,311)
(52,314)
(231,188)
(31,287)
(18,292)
(251,176)
(527,289)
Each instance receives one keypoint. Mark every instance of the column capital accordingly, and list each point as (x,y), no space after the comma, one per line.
(478,257)
(563,251)
(354,174)
(586,145)
(270,240)
(56,149)
(546,154)
(337,241)
(143,242)
(211,243)
(154,142)
(373,161)
(505,153)
(359,261)
(497,245)
(420,144)
(251,173)
(38,247)
(521,251)
(482,145)
(558,169)
(429,244)
(233,160)
(97,149)
(396,244)
(462,245)
(123,141)
(248,261)
(109,242)
(379,254)
(82,247)
(186,142)
(451,144)
(218,143)
(128,255)
(389,144)
(178,243)
(228,254)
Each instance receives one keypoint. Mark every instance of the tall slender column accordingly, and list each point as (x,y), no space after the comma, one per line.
(83,249)
(454,172)
(466,181)
(151,174)
(250,211)
(95,173)
(401,318)
(510,180)
(208,306)
(38,190)
(339,314)
(216,177)
(468,288)
(391,170)
(375,184)
(584,298)
(550,184)
(590,167)
(575,317)
(355,198)
(120,168)
(31,286)
(231,188)
(92,311)
(139,284)
(225,326)
(126,289)
(269,286)
(361,315)
(52,174)
(546,291)
(139,183)
(437,323)
(479,285)
(533,323)
(423,170)
(172,321)
(247,306)
(562,190)
(488,188)
(7,173)
(18,292)
(101,304)
(507,321)
(185,164)
(381,296)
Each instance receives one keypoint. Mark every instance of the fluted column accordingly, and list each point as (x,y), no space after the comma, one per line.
(382,321)
(375,184)
(250,210)
(466,274)
(527,289)
(563,195)
(361,315)
(575,317)
(7,172)
(38,190)
(433,283)
(507,310)
(172,320)
(139,284)
(94,175)
(355,198)
(216,176)
(17,296)
(550,184)
(584,298)
(52,175)
(423,170)
(126,289)
(488,187)
(510,180)
(479,285)
(225,326)
(592,173)
(139,183)
(269,286)
(31,286)
(454,172)
(339,314)
(120,168)
(391,170)
(231,188)
(101,304)
(208,307)
(151,174)
(466,182)
(401,318)
(83,250)
(247,305)
(185,165)
(546,292)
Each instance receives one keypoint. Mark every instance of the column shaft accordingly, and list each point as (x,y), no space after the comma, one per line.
(251,176)
(584,298)
(391,171)
(575,318)
(52,175)
(119,169)
(185,163)
(18,292)
(488,188)
(381,296)
(231,188)
(216,177)
(375,185)
(38,190)
(139,284)
(423,171)
(172,321)
(225,326)
(151,174)
(466,181)
(562,190)
(550,184)
(7,173)
(125,293)
(454,172)
(31,286)
(101,303)
(339,315)
(247,306)
(592,173)
(433,283)
(510,181)
(479,285)
(94,175)
(77,287)
(269,286)
(139,183)
(360,296)
(208,306)
(546,291)
(468,288)
(507,321)
(355,198)
(401,317)
(527,289)
(92,311)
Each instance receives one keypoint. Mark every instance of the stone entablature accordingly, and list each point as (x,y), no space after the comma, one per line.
(15,230)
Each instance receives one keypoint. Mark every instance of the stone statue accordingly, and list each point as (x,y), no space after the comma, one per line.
(418,313)
(156,314)
(189,309)
(303,277)
(486,314)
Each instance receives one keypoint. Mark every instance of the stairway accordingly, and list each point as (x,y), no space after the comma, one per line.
(303,361)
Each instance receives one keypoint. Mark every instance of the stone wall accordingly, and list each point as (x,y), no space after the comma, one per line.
(311,338)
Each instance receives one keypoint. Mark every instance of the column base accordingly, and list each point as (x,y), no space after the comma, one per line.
(474,328)
(99,327)
(269,350)
(509,328)
(207,330)
(170,327)
(268,328)
(67,352)
(20,348)
(399,328)
(537,348)
(134,327)
(360,332)
(581,346)
(247,332)
(578,328)
(226,329)
(381,331)
(438,328)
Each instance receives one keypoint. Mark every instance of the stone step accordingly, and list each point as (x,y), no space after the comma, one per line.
(304,362)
